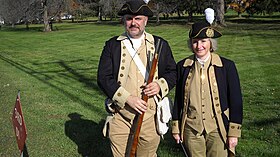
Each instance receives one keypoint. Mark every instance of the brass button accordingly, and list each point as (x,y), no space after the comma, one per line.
(119,94)
(121,75)
(152,48)
(122,67)
(156,77)
(219,112)
(216,98)
(217,105)
(123,60)
(124,47)
(189,77)
(165,90)
(232,127)
(124,55)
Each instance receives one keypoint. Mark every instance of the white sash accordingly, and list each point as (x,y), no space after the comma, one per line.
(136,59)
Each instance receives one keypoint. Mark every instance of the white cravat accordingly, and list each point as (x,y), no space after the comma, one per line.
(203,61)
(136,43)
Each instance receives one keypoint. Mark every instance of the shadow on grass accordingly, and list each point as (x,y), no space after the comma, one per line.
(47,78)
(265,122)
(87,135)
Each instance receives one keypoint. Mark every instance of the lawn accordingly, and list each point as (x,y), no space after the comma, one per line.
(64,108)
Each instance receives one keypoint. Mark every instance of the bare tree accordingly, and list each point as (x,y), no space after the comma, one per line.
(51,9)
(15,11)
(12,11)
(165,7)
(110,7)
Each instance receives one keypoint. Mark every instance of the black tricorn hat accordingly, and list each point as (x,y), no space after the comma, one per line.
(203,30)
(135,7)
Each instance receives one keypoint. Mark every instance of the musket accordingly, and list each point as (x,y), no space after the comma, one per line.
(137,122)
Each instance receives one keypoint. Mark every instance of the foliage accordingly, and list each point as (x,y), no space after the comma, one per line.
(266,6)
(240,5)
(255,6)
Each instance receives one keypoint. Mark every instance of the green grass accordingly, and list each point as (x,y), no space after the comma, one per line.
(63,107)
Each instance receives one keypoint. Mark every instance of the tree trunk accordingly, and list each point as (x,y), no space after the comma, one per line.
(178,13)
(220,12)
(157,14)
(99,14)
(190,16)
(27,25)
(47,27)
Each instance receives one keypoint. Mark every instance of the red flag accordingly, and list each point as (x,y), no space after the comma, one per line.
(19,125)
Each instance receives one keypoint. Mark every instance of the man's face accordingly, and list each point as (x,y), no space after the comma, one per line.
(135,25)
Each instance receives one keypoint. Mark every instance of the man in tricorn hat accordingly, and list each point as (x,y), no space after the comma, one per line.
(120,77)
(207,113)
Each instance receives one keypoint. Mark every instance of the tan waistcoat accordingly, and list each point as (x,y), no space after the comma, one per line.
(200,113)
(131,78)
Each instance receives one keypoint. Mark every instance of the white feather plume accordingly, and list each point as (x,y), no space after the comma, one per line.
(146,1)
(210,15)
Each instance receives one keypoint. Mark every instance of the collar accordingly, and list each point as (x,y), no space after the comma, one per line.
(202,62)
(215,60)
(148,37)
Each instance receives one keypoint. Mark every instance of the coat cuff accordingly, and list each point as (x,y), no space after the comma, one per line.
(234,130)
(121,96)
(175,127)
(163,86)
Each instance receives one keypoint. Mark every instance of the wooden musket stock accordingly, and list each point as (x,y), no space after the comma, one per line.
(137,122)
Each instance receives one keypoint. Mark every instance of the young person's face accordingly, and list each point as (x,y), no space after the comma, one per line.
(135,25)
(201,47)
